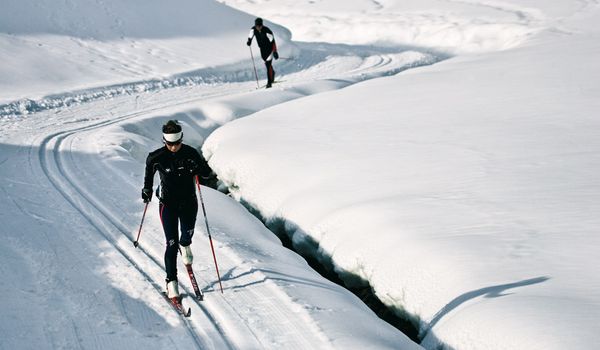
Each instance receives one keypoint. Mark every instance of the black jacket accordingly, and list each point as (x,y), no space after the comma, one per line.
(265,40)
(177,171)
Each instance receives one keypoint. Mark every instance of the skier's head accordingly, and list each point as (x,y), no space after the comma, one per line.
(258,22)
(172,135)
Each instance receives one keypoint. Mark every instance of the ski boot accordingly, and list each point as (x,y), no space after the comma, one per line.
(186,255)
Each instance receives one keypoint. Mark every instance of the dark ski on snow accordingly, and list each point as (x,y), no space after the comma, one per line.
(197,291)
(178,306)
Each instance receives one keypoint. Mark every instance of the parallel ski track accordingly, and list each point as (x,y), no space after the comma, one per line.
(49,156)
(278,313)
(216,305)
(53,165)
(126,232)
(275,307)
(74,199)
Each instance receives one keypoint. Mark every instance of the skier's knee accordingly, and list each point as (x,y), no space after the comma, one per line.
(186,237)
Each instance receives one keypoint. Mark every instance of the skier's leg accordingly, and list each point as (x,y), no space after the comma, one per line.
(188,221)
(168,217)
(270,73)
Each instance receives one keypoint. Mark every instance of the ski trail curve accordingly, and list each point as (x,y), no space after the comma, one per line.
(260,315)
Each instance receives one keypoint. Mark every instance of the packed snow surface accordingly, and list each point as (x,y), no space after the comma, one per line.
(464,192)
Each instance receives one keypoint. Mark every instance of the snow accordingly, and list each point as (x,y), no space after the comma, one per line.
(50,49)
(444,152)
(450,26)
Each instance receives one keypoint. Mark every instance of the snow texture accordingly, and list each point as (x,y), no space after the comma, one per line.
(444,152)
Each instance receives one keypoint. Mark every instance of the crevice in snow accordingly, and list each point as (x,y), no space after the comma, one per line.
(323,264)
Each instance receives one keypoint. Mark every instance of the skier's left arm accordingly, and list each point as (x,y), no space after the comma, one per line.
(201,169)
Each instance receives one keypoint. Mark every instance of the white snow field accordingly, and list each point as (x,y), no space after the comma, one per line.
(466,193)
(445,152)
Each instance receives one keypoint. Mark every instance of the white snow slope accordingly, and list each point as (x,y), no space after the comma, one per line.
(464,192)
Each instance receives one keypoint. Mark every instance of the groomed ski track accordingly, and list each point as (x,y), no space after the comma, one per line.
(222,321)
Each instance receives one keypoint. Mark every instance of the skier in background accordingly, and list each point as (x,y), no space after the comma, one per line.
(268,49)
(177,165)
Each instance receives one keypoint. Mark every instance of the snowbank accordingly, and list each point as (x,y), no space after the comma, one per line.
(466,193)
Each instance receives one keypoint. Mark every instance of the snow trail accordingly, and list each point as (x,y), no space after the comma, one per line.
(259,314)
(499,146)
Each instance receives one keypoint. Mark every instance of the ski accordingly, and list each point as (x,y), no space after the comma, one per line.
(190,272)
(275,82)
(176,304)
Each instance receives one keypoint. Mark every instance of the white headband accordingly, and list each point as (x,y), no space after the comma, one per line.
(173,137)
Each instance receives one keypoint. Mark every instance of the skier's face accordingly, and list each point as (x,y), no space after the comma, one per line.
(173,146)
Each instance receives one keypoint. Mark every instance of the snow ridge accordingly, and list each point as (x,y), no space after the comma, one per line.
(376,61)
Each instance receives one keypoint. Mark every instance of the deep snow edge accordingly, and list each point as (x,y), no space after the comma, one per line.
(293,238)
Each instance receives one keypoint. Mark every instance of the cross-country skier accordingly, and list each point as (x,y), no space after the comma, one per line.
(177,164)
(268,49)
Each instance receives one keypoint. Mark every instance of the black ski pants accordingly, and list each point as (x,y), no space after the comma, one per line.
(184,214)
(270,72)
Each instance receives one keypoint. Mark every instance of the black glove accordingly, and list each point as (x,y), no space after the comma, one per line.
(146,194)
(249,42)
(276,55)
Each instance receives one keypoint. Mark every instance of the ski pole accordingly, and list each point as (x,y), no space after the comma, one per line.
(208,231)
(135,243)
(254,65)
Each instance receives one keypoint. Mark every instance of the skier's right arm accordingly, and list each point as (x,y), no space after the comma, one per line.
(250,36)
(148,179)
